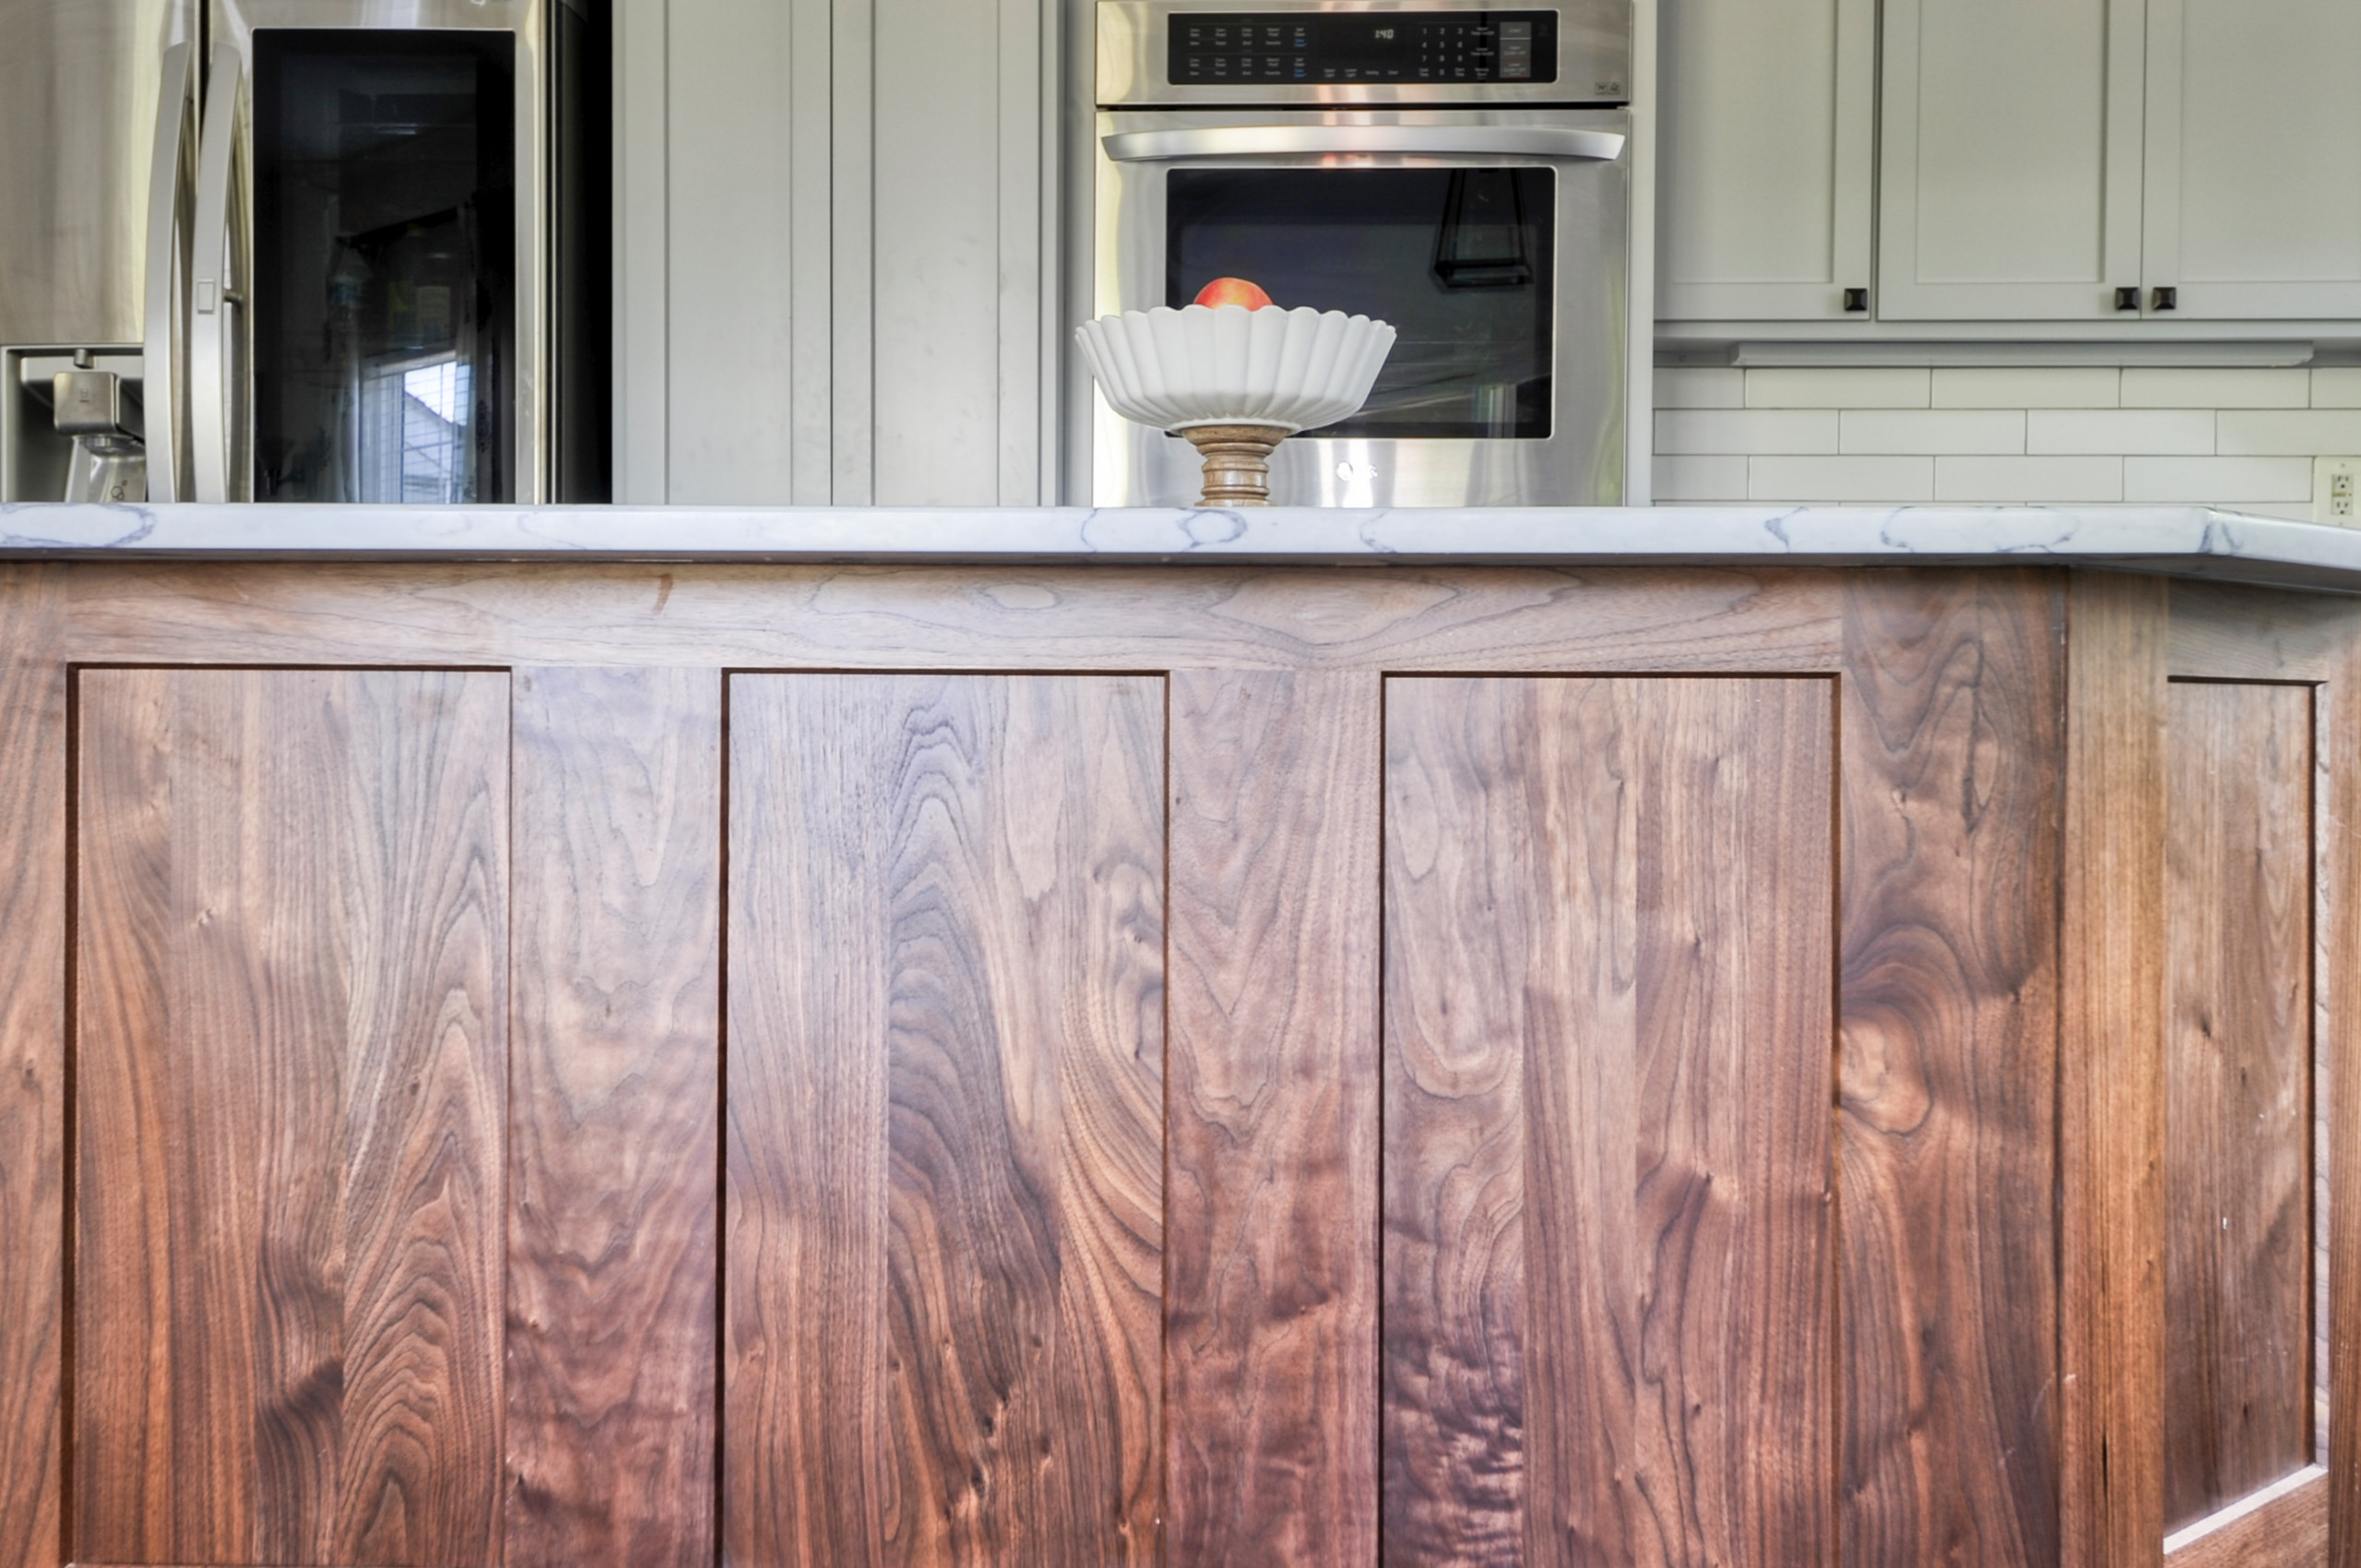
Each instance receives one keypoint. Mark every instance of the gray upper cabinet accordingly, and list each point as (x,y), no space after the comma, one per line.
(2253,190)
(2031,160)
(2011,157)
(1767,113)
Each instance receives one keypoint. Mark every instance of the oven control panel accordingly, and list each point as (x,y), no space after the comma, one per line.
(1312,48)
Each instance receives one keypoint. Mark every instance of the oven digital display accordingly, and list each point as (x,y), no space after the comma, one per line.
(1219,48)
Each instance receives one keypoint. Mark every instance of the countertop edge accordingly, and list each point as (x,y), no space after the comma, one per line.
(2188,542)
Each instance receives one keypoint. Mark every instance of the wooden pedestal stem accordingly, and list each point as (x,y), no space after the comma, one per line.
(1237,461)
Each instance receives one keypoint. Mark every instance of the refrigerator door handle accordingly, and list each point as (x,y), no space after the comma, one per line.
(217,339)
(163,372)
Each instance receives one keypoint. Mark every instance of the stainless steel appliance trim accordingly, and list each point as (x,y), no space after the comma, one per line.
(81,82)
(164,376)
(1594,58)
(1434,141)
(1582,461)
(236,22)
(219,467)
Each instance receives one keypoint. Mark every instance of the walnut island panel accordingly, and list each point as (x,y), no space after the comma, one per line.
(1743,1036)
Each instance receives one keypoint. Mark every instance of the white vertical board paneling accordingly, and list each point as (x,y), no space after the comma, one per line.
(1077,247)
(1028,80)
(641,241)
(833,251)
(809,394)
(2011,157)
(2253,191)
(938,296)
(732,349)
(1767,121)
(958,253)
(853,204)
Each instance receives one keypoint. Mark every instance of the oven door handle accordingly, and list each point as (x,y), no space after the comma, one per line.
(1439,141)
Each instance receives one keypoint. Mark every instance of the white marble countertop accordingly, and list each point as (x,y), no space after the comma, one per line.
(2180,540)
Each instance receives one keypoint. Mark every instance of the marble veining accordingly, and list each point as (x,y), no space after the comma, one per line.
(2182,541)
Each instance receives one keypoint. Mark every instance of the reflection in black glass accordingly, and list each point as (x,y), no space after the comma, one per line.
(1482,243)
(1461,261)
(385,276)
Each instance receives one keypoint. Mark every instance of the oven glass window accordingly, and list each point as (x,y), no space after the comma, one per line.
(1461,261)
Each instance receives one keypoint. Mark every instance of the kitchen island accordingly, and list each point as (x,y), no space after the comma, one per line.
(1756,1036)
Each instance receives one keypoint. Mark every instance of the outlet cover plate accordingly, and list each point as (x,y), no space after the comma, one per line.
(2336,492)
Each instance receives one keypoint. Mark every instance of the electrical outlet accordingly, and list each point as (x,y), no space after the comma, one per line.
(2336,492)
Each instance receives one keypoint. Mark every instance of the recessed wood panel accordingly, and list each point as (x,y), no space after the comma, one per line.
(292,1012)
(945,1120)
(614,1185)
(1609,1034)
(2238,1177)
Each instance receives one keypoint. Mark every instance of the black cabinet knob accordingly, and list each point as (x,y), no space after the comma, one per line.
(1857,298)
(2127,299)
(2164,299)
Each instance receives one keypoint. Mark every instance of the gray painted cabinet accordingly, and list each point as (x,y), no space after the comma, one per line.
(2035,159)
(1768,128)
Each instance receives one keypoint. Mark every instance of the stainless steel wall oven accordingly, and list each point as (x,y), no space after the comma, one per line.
(1458,170)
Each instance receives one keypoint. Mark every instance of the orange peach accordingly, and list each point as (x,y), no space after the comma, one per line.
(1232,292)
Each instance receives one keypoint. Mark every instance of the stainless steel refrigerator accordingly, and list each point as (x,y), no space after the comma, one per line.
(303,250)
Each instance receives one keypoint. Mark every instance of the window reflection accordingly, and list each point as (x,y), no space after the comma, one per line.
(384,252)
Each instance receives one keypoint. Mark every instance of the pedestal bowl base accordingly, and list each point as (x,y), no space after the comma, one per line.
(1237,461)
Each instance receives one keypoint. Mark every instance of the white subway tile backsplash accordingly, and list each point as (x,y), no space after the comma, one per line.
(1693,388)
(2157,388)
(2337,386)
(1935,430)
(2104,432)
(1686,431)
(2290,433)
(2208,479)
(2241,439)
(2051,386)
(1701,478)
(1854,388)
(1834,478)
(2042,479)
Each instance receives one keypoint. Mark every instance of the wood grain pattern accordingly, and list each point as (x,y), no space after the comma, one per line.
(2285,1532)
(2238,1093)
(946,941)
(291,1010)
(2337,1068)
(614,1259)
(1609,1029)
(2235,631)
(32,1064)
(1271,1304)
(2251,634)
(2111,1018)
(921,617)
(1950,769)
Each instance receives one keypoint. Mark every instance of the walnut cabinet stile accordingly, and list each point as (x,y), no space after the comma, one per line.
(1085,1065)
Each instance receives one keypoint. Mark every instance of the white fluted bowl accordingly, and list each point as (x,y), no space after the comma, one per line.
(1172,369)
